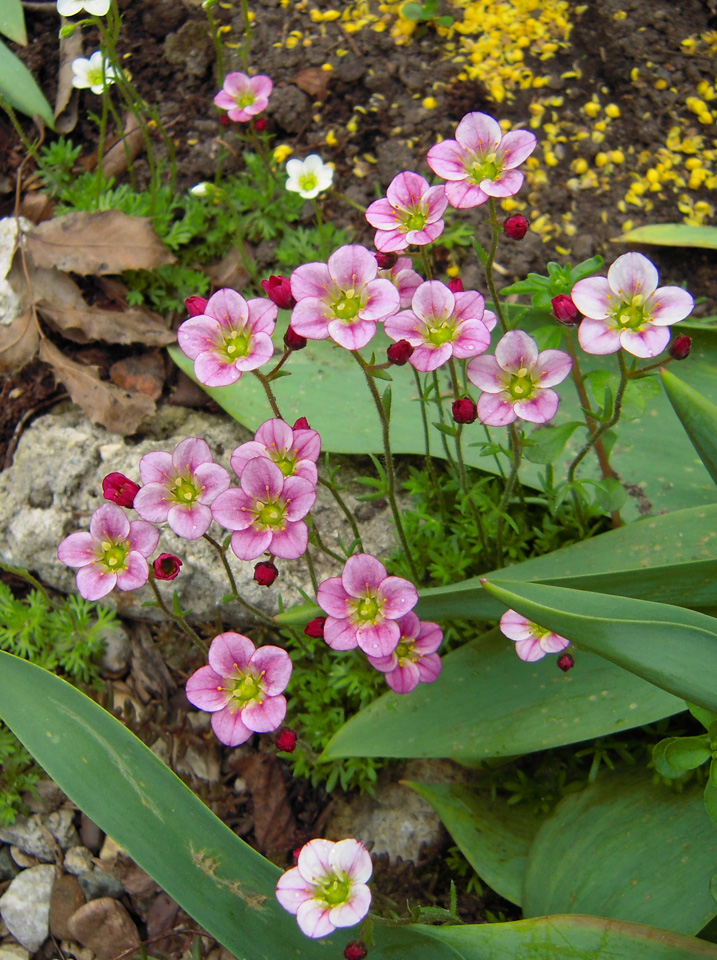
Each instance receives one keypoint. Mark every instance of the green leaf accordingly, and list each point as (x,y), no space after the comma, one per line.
(489,703)
(698,416)
(18,87)
(703,716)
(627,849)
(492,835)
(585,269)
(12,21)
(711,806)
(610,494)
(672,235)
(674,756)
(672,647)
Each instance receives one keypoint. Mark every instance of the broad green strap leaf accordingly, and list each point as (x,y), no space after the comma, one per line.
(18,87)
(672,235)
(672,647)
(12,21)
(628,849)
(697,415)
(493,836)
(488,703)
(672,558)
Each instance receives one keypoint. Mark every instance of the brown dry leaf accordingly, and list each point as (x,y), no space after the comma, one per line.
(37,206)
(229,271)
(104,403)
(19,341)
(103,242)
(314,81)
(116,156)
(67,95)
(274,824)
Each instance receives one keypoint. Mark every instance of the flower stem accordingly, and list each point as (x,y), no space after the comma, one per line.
(269,393)
(259,614)
(322,230)
(461,464)
(517,448)
(430,466)
(488,266)
(331,487)
(180,621)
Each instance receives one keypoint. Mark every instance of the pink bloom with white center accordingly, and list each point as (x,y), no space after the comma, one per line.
(243,97)
(532,641)
(343,299)
(233,335)
(440,325)
(327,887)
(113,553)
(294,451)
(415,659)
(267,514)
(480,163)
(180,486)
(364,607)
(411,212)
(516,380)
(241,687)
(404,278)
(627,309)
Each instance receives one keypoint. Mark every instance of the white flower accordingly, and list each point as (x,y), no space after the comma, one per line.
(93,73)
(309,177)
(68,8)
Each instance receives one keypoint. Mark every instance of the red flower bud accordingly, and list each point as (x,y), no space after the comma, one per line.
(516,227)
(120,489)
(260,124)
(386,260)
(455,285)
(464,410)
(224,120)
(356,950)
(315,628)
(278,289)
(566,662)
(195,306)
(293,340)
(166,566)
(265,573)
(286,740)
(680,348)
(399,353)
(565,311)
(301,424)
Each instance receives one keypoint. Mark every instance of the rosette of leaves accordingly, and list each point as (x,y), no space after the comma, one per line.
(675,758)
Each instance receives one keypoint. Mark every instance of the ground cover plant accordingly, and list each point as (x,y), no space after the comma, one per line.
(535,599)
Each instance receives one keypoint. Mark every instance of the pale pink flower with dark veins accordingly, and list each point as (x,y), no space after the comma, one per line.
(343,299)
(441,324)
(364,606)
(515,381)
(267,514)
(113,553)
(242,96)
(627,309)
(404,278)
(241,687)
(233,335)
(410,213)
(179,487)
(415,659)
(294,451)
(480,163)
(532,641)
(327,887)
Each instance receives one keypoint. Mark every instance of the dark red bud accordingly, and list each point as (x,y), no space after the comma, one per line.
(260,124)
(278,289)
(295,853)
(265,573)
(224,120)
(120,489)
(516,227)
(464,410)
(356,950)
(680,348)
(301,424)
(286,740)
(399,353)
(455,285)
(386,260)
(293,340)
(195,306)
(315,628)
(565,311)
(166,566)
(566,662)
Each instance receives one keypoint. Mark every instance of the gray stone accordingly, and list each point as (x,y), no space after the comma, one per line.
(30,834)
(25,906)
(13,951)
(189,48)
(290,108)
(78,860)
(10,306)
(8,869)
(99,883)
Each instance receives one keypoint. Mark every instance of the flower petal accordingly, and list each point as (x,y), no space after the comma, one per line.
(352,266)
(379,639)
(399,595)
(314,860)
(646,343)
(93,583)
(275,666)
(353,859)
(479,132)
(448,160)
(540,408)
(333,598)
(354,910)
(135,574)
(109,522)
(362,574)
(592,297)
(516,351)
(598,337)
(250,543)
(189,521)
(631,274)
(669,305)
(265,716)
(313,919)
(229,727)
(292,890)
(494,410)
(230,653)
(77,550)
(205,689)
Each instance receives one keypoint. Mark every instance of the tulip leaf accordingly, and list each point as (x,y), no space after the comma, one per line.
(19,88)
(698,416)
(12,21)
(627,849)
(672,235)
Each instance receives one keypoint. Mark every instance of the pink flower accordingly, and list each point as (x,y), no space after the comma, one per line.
(404,278)
(241,687)
(242,96)
(627,309)
(267,513)
(179,487)
(411,212)
(480,163)
(294,451)
(514,381)
(113,553)
(327,887)
(440,325)
(532,641)
(342,299)
(233,335)
(364,606)
(415,659)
